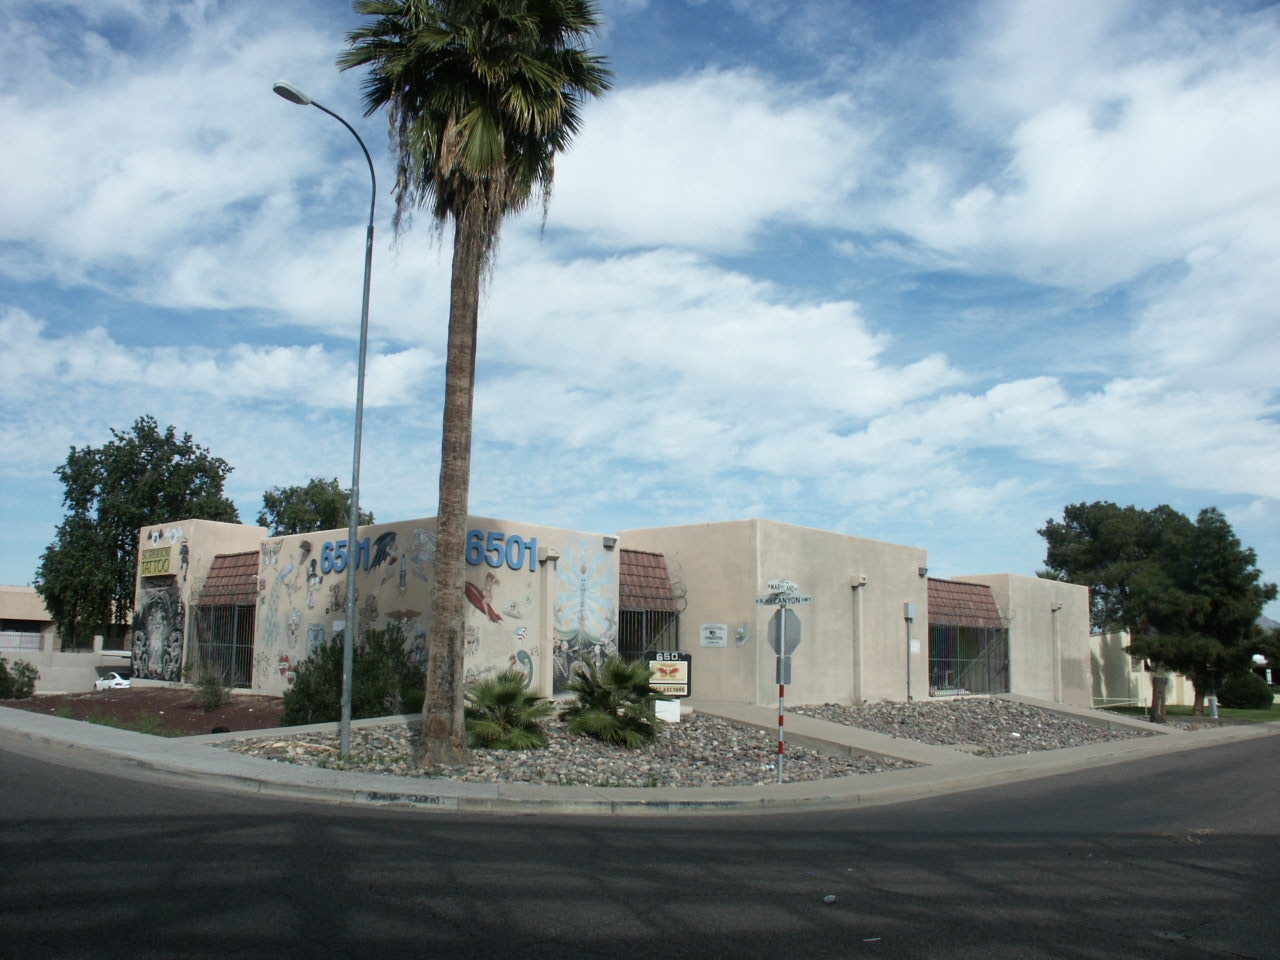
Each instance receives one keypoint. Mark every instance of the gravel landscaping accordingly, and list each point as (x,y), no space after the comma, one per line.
(699,751)
(705,751)
(983,726)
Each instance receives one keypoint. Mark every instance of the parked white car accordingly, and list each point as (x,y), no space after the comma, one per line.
(112,681)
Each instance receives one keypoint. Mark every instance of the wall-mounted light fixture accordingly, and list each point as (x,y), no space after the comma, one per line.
(922,572)
(610,542)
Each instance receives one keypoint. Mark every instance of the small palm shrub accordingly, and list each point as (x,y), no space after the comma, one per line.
(1248,691)
(614,703)
(502,715)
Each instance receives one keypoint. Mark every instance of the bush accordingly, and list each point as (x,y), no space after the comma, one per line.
(502,715)
(613,703)
(384,680)
(213,684)
(1248,691)
(17,680)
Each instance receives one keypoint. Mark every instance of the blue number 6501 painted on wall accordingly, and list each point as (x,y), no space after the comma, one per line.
(334,556)
(497,549)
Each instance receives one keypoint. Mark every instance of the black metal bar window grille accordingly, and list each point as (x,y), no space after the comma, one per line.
(224,642)
(641,632)
(968,660)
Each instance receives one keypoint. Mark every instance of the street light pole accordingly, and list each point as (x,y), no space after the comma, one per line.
(294,95)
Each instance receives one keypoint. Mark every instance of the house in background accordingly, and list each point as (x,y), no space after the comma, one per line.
(27,633)
(1120,680)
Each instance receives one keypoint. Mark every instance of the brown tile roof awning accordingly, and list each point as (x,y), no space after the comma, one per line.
(953,604)
(232,581)
(643,583)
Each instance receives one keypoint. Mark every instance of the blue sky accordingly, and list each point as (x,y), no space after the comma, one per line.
(922,272)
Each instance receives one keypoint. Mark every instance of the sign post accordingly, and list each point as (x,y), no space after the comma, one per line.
(784,637)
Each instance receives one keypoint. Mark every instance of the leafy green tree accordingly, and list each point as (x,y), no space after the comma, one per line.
(146,476)
(1190,594)
(480,97)
(320,505)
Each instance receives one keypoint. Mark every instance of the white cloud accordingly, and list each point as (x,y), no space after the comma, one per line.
(1125,149)
(704,161)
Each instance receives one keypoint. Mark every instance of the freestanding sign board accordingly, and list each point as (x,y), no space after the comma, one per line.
(671,673)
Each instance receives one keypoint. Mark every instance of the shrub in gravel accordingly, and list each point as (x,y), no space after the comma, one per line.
(613,702)
(1248,691)
(384,680)
(213,685)
(502,715)
(17,680)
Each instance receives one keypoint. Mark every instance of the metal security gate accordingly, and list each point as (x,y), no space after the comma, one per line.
(968,660)
(641,632)
(224,642)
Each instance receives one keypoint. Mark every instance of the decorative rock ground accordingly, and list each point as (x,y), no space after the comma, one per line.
(984,726)
(704,751)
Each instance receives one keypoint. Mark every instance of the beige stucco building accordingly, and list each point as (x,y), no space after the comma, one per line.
(27,633)
(542,599)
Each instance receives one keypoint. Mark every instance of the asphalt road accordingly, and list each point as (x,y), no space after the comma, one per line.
(1172,857)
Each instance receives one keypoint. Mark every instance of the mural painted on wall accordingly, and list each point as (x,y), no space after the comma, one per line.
(303,585)
(501,583)
(158,624)
(586,613)
(302,594)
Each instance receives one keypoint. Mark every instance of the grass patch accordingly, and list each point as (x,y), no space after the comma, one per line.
(1184,713)
(147,725)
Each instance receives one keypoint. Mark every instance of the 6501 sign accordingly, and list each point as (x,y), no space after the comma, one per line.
(492,547)
(497,549)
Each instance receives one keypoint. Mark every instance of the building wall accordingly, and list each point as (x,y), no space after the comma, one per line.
(173,561)
(540,598)
(854,641)
(1048,636)
(71,671)
(1118,681)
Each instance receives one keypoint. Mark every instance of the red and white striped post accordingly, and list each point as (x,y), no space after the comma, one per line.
(783,594)
(782,740)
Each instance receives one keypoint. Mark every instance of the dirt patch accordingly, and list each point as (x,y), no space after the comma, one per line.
(166,711)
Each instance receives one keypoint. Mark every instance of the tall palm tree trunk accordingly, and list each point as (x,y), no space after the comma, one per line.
(444,738)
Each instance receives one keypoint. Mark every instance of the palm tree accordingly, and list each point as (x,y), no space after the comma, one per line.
(480,96)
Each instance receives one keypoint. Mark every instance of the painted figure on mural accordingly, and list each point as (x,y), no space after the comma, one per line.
(586,623)
(158,631)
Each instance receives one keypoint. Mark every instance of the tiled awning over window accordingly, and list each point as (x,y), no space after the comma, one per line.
(954,604)
(643,583)
(232,581)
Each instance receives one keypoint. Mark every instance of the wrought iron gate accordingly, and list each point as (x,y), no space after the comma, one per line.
(224,642)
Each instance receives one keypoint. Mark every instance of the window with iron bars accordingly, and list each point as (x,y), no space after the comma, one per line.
(641,632)
(968,660)
(224,641)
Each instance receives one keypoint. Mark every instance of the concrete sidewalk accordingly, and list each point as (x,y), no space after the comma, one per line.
(193,761)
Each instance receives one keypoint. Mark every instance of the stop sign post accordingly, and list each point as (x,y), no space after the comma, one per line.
(784,637)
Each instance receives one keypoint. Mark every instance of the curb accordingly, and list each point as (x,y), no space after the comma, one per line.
(191,761)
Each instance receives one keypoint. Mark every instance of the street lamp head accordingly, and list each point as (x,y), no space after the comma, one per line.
(291,93)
